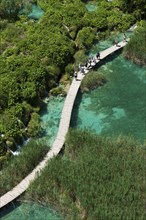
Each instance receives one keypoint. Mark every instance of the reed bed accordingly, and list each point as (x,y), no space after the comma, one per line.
(96,178)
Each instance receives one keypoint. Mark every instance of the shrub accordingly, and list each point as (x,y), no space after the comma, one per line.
(92,80)
(57,91)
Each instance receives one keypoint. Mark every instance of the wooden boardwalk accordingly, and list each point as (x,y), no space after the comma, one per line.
(62,131)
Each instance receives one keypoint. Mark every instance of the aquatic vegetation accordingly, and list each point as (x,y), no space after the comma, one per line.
(97,178)
(93,80)
(20,166)
(136,47)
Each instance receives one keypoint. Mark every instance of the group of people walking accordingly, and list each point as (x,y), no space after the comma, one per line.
(88,65)
(93,60)
(124,40)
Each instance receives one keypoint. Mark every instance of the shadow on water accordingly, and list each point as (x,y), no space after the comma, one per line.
(9,208)
(43,108)
(28,210)
(74,117)
(107,59)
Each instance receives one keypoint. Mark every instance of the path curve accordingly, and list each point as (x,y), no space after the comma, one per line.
(62,131)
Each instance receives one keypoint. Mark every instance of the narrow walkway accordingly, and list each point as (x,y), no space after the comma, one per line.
(62,131)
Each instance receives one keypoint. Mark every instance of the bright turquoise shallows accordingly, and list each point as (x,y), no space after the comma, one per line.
(119,106)
(31,211)
(36,12)
(50,117)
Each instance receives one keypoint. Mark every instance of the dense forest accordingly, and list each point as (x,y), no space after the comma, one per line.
(35,54)
(97,178)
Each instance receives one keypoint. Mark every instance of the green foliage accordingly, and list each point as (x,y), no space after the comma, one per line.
(10,8)
(117,20)
(97,19)
(136,47)
(92,80)
(20,166)
(69,69)
(80,57)
(57,91)
(34,126)
(95,179)
(34,55)
(137,7)
(85,37)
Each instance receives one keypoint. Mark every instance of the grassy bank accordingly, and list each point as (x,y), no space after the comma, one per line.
(95,179)
(20,166)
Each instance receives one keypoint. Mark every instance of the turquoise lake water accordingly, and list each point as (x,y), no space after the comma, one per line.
(29,211)
(119,107)
(91,7)
(50,117)
(36,12)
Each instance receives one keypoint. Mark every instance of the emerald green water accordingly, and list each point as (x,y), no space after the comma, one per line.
(29,211)
(36,12)
(119,107)
(91,6)
(50,118)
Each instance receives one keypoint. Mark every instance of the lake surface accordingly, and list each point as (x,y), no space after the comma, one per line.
(91,6)
(28,211)
(50,118)
(119,107)
(36,12)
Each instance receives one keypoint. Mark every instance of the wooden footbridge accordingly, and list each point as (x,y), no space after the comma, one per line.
(62,131)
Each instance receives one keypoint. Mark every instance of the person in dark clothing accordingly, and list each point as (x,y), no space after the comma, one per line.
(75,75)
(124,38)
(98,55)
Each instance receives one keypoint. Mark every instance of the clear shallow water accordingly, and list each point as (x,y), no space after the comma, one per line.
(29,211)
(119,107)
(50,117)
(91,7)
(36,12)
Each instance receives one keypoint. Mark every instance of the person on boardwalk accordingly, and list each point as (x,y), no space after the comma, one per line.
(98,55)
(116,43)
(82,69)
(124,38)
(75,75)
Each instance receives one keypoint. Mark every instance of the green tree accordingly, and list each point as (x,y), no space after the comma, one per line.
(85,37)
(34,127)
(10,8)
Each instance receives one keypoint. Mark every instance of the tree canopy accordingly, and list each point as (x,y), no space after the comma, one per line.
(34,54)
